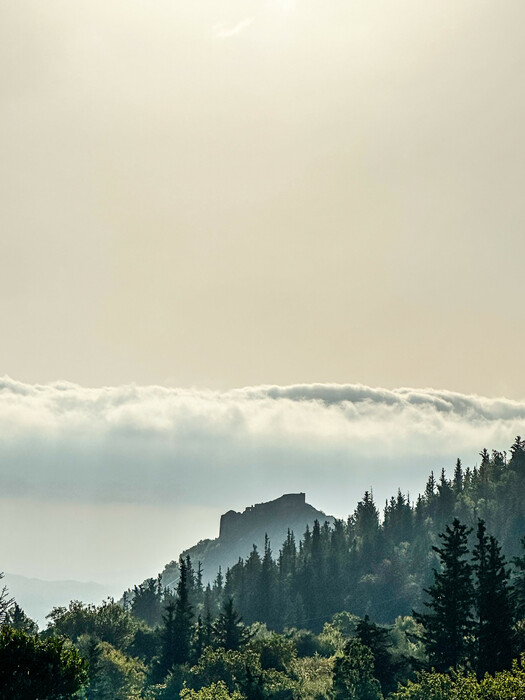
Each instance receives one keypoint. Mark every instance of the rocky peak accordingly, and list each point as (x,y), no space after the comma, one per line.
(239,532)
(289,506)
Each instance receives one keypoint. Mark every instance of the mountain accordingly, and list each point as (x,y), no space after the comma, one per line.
(38,597)
(239,532)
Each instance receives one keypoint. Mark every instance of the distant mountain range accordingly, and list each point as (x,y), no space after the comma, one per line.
(239,532)
(38,597)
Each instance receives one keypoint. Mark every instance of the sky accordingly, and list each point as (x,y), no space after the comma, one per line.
(227,194)
(205,206)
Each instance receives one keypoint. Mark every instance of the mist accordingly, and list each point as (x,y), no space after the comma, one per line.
(111,483)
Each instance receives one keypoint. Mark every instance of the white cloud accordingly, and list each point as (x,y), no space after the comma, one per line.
(160,464)
(224,30)
(149,444)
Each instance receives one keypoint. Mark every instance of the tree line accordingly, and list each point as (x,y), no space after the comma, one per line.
(366,565)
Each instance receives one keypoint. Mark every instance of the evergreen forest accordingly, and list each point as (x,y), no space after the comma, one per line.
(417,599)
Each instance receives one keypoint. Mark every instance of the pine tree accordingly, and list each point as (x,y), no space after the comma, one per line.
(457,483)
(430,488)
(446,499)
(199,639)
(18,620)
(253,609)
(397,524)
(92,653)
(190,573)
(228,630)
(177,630)
(198,580)
(484,473)
(286,578)
(218,583)
(267,585)
(207,622)
(448,625)
(367,521)
(306,542)
(314,595)
(517,460)
(485,459)
(495,635)
(168,637)
(336,563)
(287,556)
(146,601)
(376,639)
(499,462)
(518,595)
(353,677)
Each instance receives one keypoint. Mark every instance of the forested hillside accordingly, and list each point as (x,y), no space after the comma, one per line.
(376,563)
(424,600)
(240,531)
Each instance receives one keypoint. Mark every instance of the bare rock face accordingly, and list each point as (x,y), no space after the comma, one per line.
(288,507)
(239,532)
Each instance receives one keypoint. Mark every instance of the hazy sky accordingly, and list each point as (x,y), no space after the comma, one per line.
(222,194)
(213,195)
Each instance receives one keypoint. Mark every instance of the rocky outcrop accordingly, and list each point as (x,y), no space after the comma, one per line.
(288,507)
(239,532)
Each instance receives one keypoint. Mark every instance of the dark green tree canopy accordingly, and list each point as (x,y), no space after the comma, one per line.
(228,630)
(354,674)
(495,635)
(449,622)
(32,668)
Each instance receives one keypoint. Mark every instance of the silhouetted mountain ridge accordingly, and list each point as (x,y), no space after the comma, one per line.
(239,532)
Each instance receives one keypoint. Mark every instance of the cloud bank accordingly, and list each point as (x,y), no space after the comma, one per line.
(158,445)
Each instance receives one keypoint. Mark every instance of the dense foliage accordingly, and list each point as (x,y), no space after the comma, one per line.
(505,685)
(32,668)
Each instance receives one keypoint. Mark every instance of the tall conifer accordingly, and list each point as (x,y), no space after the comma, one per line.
(448,625)
(493,605)
(182,618)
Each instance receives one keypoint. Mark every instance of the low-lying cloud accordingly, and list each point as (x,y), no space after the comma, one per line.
(226,449)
